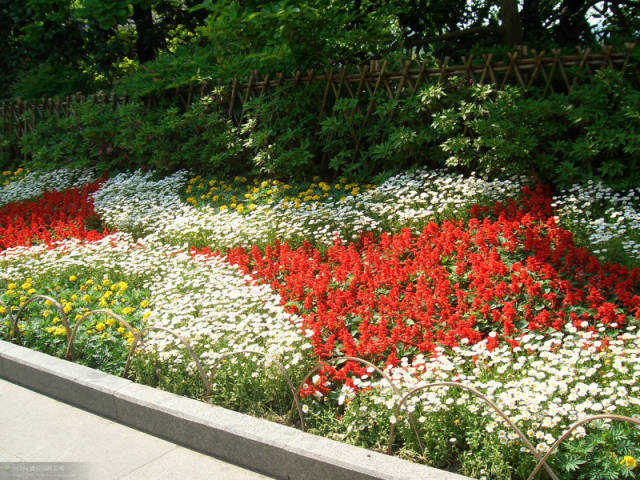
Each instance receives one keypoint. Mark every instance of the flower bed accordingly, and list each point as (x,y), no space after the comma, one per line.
(430,276)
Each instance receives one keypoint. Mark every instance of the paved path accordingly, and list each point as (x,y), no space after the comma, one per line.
(36,428)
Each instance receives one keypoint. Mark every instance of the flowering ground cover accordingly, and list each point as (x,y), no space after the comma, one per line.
(431,276)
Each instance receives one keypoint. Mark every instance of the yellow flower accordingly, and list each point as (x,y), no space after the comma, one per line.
(127,310)
(111,322)
(146,314)
(55,320)
(89,332)
(86,298)
(78,316)
(100,326)
(123,286)
(31,291)
(26,286)
(120,330)
(240,208)
(89,282)
(106,282)
(68,307)
(46,313)
(6,173)
(60,331)
(73,278)
(223,208)
(51,329)
(12,286)
(144,304)
(74,297)
(628,461)
(3,310)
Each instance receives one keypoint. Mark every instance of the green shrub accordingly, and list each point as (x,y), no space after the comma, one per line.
(109,139)
(563,139)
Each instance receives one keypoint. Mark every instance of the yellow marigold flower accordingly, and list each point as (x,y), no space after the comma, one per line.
(86,298)
(120,330)
(192,201)
(100,326)
(60,331)
(3,310)
(130,339)
(114,287)
(629,462)
(51,329)
(74,297)
(127,310)
(89,332)
(123,286)
(55,320)
(78,316)
(12,286)
(355,191)
(106,282)
(111,322)
(105,335)
(73,278)
(6,173)
(89,282)
(83,288)
(21,326)
(264,184)
(240,208)
(68,307)
(31,291)
(146,314)
(144,304)
(103,302)
(26,285)
(223,208)
(46,313)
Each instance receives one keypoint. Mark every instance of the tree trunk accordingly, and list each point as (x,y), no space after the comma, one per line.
(573,28)
(511,25)
(531,21)
(146,42)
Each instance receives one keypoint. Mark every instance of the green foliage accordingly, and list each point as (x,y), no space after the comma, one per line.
(562,139)
(51,79)
(130,137)
(607,452)
(280,130)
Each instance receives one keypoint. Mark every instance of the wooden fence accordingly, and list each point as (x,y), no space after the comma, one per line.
(547,70)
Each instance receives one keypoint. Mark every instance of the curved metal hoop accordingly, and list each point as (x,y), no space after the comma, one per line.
(278,364)
(63,317)
(618,418)
(317,368)
(478,394)
(139,338)
(108,313)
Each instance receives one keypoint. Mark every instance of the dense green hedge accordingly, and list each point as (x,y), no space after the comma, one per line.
(594,131)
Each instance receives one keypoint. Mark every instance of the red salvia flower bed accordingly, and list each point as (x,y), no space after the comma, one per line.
(52,217)
(507,271)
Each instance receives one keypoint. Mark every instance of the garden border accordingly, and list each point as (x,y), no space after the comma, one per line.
(266,447)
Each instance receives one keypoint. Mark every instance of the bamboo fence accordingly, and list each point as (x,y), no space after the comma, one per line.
(548,71)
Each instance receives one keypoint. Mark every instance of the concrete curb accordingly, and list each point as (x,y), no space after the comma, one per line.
(269,448)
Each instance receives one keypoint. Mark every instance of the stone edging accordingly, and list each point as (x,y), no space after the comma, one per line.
(266,447)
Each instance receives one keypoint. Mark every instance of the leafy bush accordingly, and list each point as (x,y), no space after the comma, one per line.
(130,137)
(594,131)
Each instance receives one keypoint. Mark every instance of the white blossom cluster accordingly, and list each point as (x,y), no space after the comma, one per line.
(33,184)
(153,208)
(603,216)
(205,300)
(543,386)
